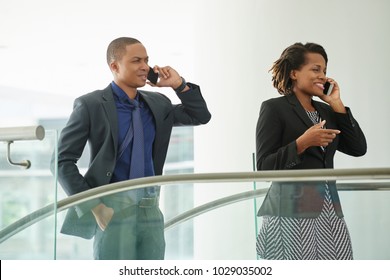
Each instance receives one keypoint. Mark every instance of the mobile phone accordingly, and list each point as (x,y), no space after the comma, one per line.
(152,76)
(328,87)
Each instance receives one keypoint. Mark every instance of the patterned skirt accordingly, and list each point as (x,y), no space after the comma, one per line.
(323,238)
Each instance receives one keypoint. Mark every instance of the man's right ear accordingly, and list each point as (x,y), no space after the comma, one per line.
(114,66)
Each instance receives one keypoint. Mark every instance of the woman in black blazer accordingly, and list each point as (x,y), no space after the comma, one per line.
(304,220)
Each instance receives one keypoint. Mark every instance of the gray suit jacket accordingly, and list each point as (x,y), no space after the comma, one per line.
(94,120)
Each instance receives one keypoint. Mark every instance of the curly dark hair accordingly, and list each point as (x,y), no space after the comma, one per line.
(292,58)
(117,48)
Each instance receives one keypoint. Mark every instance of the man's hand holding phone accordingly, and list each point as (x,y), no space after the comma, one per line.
(166,77)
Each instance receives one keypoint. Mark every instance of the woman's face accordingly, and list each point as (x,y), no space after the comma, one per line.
(311,77)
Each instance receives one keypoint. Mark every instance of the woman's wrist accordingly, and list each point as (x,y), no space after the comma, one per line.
(338,106)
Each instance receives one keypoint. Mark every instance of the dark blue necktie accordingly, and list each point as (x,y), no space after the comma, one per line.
(137,166)
(137,161)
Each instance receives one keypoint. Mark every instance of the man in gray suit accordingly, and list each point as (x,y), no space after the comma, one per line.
(126,225)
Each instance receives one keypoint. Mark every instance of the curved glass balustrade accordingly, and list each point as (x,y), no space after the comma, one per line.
(214,219)
(23,191)
(207,216)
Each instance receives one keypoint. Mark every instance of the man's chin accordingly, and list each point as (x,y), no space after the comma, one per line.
(142,83)
(139,84)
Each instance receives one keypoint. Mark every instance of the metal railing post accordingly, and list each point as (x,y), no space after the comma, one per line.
(11,134)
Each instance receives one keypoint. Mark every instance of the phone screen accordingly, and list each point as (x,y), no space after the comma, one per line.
(152,77)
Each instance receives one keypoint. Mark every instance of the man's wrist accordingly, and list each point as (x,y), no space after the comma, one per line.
(182,86)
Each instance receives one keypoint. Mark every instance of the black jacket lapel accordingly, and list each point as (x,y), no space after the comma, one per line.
(299,110)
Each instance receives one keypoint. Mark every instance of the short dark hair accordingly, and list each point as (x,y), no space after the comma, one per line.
(292,58)
(117,48)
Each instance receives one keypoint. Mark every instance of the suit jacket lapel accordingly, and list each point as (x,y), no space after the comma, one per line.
(155,108)
(299,110)
(157,114)
(111,114)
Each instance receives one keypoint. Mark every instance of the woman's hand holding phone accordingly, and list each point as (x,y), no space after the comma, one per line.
(332,96)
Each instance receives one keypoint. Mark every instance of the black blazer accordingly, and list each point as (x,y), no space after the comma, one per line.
(281,121)
(94,120)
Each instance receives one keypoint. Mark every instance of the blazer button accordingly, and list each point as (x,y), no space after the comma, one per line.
(109,174)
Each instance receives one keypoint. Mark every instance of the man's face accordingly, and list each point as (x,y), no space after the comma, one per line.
(132,69)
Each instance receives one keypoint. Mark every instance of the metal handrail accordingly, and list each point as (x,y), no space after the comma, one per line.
(11,134)
(271,175)
(213,205)
(289,175)
(260,192)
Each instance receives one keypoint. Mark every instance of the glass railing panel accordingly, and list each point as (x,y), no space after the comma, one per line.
(23,191)
(183,240)
(366,213)
(217,220)
(71,247)
(214,234)
(228,232)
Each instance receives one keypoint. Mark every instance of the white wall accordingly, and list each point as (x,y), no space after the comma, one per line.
(57,50)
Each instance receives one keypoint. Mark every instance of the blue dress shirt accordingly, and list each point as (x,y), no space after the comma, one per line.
(124,111)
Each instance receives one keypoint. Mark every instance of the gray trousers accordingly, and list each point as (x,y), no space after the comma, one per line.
(134,233)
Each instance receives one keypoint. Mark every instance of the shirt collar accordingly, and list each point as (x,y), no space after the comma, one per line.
(121,95)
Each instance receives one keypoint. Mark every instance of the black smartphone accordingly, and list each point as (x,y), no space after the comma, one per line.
(152,76)
(328,87)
